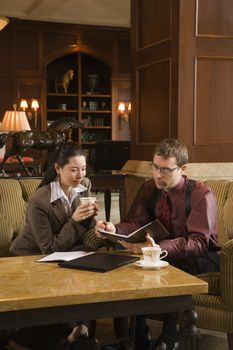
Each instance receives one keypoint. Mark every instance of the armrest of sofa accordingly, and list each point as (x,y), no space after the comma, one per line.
(213,280)
(226,273)
(6,235)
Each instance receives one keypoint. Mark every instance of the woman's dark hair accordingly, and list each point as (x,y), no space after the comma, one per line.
(61,156)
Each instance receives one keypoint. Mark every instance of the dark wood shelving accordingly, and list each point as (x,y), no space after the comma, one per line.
(60,94)
(78,100)
(96,95)
(63,110)
(95,111)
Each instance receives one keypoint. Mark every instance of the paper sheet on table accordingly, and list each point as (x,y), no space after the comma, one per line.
(63,256)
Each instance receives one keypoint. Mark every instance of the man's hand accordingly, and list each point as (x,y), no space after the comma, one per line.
(136,248)
(103,225)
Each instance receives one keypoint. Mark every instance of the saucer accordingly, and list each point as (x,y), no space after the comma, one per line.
(158,265)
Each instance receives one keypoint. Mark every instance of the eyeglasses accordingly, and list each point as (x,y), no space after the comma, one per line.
(163,170)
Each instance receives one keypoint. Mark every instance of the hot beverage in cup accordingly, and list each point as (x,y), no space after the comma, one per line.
(153,255)
(87,200)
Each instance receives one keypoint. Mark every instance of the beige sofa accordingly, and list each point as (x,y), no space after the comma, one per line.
(215,309)
(14,196)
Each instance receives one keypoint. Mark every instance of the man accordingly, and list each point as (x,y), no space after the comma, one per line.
(188,211)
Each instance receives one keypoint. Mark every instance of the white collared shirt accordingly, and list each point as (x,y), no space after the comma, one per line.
(58,193)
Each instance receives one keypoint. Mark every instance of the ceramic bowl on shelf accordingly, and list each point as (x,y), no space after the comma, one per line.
(62,106)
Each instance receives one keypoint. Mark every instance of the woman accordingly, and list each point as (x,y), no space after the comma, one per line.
(56,221)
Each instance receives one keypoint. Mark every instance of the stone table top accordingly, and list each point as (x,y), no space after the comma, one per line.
(27,284)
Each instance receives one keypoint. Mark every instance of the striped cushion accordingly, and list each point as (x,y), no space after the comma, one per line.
(29,186)
(91,241)
(215,318)
(226,270)
(213,280)
(12,205)
(221,188)
(6,235)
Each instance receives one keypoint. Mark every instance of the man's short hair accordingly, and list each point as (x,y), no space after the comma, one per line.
(172,148)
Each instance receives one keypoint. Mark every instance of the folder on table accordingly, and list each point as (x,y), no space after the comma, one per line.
(99,262)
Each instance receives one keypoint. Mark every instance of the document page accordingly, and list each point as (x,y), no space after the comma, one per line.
(63,256)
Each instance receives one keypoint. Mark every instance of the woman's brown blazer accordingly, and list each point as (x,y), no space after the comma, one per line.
(48,228)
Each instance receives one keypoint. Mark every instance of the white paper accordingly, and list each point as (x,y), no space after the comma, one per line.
(64,256)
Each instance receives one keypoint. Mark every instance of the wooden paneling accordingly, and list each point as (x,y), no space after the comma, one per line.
(200,49)
(124,59)
(154,74)
(7,56)
(153,112)
(205,80)
(29,89)
(7,95)
(154,22)
(214,102)
(214,18)
(27,51)
(53,41)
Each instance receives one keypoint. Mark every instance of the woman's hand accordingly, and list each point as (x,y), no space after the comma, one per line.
(85,211)
(136,248)
(103,225)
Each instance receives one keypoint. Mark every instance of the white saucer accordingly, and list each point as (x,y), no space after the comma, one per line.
(158,265)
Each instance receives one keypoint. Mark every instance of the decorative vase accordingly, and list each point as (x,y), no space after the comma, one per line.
(92,83)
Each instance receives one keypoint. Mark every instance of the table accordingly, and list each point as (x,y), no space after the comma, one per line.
(34,293)
(114,180)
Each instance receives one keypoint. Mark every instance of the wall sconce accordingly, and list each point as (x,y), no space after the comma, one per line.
(123,110)
(3,22)
(34,107)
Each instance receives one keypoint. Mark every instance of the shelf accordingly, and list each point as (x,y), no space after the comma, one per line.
(97,127)
(96,95)
(61,94)
(96,111)
(62,110)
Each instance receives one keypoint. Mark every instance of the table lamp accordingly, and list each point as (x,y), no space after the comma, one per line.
(14,121)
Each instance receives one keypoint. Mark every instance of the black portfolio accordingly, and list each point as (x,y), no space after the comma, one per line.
(99,262)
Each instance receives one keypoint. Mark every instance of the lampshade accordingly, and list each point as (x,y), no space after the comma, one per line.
(3,22)
(15,121)
(23,104)
(121,107)
(35,104)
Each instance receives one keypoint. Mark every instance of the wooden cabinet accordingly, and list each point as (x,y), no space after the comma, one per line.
(79,86)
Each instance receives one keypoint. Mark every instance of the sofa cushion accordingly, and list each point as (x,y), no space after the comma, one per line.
(225,206)
(6,235)
(12,204)
(29,185)
(227,212)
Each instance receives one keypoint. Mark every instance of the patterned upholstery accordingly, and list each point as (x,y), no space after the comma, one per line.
(222,190)
(14,195)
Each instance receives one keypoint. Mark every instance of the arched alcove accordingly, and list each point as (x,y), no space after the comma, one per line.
(79,85)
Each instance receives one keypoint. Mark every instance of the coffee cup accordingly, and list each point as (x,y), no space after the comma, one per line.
(87,200)
(153,255)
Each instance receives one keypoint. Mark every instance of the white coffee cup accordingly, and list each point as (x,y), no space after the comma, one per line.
(87,200)
(152,255)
